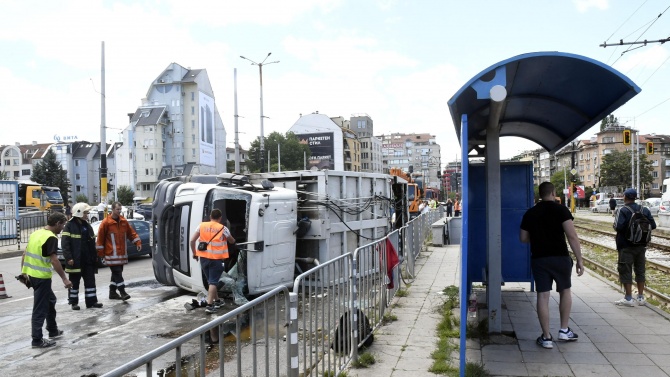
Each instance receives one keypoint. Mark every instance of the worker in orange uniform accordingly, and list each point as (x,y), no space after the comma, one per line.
(111,245)
(457,207)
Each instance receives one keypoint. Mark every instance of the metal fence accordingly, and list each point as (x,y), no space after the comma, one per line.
(258,329)
(332,311)
(15,231)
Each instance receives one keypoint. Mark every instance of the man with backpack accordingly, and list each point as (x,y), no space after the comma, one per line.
(633,224)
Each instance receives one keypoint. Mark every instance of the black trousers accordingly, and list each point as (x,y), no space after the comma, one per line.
(44,307)
(90,294)
(117,277)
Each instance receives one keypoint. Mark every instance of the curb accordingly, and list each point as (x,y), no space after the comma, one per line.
(11,254)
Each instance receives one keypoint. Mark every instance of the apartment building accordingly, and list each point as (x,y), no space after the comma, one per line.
(416,154)
(177,130)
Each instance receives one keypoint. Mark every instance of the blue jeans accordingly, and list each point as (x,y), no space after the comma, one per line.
(44,307)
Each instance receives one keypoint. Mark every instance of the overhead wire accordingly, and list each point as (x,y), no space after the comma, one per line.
(620,26)
(638,38)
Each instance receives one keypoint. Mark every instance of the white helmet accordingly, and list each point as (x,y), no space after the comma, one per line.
(79,209)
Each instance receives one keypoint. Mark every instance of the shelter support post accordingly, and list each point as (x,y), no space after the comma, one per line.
(493,210)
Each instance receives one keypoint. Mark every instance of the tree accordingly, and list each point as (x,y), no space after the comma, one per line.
(292,152)
(558,180)
(4,175)
(125,195)
(615,170)
(50,172)
(81,198)
(609,121)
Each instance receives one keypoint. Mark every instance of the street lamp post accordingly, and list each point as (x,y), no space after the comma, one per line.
(260,72)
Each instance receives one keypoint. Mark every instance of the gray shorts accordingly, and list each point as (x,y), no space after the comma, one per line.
(549,269)
(631,259)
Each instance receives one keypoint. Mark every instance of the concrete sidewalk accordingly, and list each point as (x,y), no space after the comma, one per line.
(403,347)
(613,341)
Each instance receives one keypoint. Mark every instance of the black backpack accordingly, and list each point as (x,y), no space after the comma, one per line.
(638,230)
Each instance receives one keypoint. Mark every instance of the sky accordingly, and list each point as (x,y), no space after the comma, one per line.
(397,61)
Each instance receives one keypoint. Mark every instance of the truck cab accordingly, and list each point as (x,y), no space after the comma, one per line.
(261,218)
(36,195)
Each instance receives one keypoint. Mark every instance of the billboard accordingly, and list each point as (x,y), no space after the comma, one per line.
(322,147)
(206,139)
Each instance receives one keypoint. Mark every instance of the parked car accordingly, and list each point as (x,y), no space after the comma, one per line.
(142,229)
(664,207)
(653,204)
(93,216)
(145,210)
(604,205)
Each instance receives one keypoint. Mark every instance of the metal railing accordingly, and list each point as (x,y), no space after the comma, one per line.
(255,322)
(332,311)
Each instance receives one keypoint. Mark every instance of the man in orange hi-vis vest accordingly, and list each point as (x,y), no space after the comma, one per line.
(457,207)
(214,238)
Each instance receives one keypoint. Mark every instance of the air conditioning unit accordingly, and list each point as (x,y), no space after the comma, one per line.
(144,146)
(161,81)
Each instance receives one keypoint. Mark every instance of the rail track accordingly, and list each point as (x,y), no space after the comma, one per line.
(664,247)
(662,299)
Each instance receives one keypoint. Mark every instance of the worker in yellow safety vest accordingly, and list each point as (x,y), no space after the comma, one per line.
(37,263)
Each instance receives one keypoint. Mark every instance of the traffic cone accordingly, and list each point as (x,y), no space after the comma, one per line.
(3,292)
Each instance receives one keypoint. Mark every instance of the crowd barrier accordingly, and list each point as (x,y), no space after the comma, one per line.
(314,329)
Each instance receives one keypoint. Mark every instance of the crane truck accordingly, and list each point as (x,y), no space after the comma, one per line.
(284,223)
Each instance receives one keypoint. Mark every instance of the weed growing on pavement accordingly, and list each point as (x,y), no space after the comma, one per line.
(402,292)
(330,373)
(448,332)
(364,360)
(388,318)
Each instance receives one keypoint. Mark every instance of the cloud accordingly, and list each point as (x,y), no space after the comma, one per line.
(584,6)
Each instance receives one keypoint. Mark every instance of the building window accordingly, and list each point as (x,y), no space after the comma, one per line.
(16,174)
(77,177)
(654,174)
(193,152)
(146,187)
(192,96)
(193,124)
(654,186)
(25,172)
(654,163)
(192,110)
(608,139)
(77,188)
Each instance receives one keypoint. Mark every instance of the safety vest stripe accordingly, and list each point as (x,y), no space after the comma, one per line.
(73,270)
(34,267)
(112,236)
(136,239)
(36,256)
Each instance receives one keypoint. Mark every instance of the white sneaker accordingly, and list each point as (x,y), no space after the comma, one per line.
(624,302)
(641,301)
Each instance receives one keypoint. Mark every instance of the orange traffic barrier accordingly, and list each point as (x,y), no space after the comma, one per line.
(3,292)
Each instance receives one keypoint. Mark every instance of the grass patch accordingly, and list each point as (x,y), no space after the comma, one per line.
(364,360)
(402,292)
(388,318)
(330,373)
(448,332)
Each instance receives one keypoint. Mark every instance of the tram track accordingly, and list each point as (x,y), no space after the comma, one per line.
(663,247)
(660,299)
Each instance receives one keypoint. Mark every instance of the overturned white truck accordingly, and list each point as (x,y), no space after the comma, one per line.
(284,223)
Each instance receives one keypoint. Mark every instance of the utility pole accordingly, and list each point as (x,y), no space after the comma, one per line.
(260,72)
(237,143)
(103,143)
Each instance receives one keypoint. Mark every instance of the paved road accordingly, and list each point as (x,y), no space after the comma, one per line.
(95,340)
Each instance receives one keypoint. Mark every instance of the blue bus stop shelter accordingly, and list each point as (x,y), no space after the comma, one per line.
(547,97)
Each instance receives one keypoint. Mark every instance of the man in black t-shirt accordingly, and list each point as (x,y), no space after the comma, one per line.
(545,227)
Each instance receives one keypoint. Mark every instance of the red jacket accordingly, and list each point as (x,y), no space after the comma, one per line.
(111,242)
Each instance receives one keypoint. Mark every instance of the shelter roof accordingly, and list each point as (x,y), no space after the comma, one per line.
(552,98)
